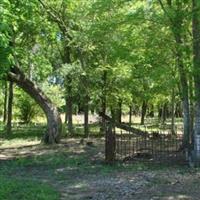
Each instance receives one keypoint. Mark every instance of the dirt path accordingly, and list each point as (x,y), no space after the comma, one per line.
(140,185)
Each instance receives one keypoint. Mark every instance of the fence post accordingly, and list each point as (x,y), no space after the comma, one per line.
(110,144)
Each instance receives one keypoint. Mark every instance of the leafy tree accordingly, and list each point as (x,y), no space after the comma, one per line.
(22,20)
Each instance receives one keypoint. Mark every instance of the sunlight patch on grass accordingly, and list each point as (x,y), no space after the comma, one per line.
(15,143)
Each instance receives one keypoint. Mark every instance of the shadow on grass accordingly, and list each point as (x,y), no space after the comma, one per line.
(78,163)
(24,132)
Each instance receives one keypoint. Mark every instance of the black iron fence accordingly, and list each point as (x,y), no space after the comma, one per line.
(158,147)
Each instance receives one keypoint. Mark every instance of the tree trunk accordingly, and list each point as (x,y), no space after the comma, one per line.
(86,116)
(191,92)
(54,124)
(103,110)
(69,105)
(159,112)
(196,65)
(178,110)
(10,106)
(119,111)
(177,28)
(103,102)
(113,113)
(144,110)
(110,145)
(66,113)
(186,111)
(80,108)
(68,88)
(5,102)
(164,113)
(130,115)
(151,111)
(172,112)
(85,85)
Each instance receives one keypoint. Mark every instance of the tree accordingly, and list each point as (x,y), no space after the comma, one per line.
(196,67)
(175,14)
(11,44)
(53,118)
(5,102)
(10,106)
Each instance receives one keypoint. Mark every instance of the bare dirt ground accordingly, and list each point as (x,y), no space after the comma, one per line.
(78,172)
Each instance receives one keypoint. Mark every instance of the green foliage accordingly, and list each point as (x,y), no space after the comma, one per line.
(55,93)
(26,106)
(130,41)
(5,29)
(1,97)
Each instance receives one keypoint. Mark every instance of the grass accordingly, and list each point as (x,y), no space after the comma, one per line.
(155,125)
(80,162)
(24,132)
(36,130)
(79,130)
(32,131)
(38,175)
(64,166)
(21,136)
(14,186)
(23,189)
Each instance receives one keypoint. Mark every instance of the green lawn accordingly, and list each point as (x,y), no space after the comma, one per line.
(12,188)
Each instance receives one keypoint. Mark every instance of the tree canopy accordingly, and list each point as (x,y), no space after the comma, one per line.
(103,56)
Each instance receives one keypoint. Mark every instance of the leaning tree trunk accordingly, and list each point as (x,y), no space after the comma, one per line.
(54,124)
(10,106)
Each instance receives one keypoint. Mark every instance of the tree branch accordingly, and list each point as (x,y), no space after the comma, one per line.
(165,11)
(54,15)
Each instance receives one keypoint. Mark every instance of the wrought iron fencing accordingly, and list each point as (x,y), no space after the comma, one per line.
(154,146)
